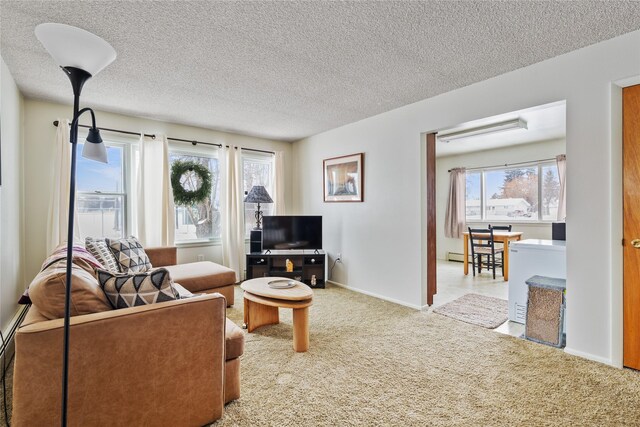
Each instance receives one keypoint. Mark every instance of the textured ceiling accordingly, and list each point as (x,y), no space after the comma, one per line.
(287,70)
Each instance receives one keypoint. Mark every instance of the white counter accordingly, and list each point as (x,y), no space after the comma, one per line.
(552,245)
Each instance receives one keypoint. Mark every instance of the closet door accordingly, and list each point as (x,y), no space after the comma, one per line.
(631,207)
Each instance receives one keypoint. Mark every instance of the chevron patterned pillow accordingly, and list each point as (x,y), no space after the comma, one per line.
(130,290)
(99,249)
(130,255)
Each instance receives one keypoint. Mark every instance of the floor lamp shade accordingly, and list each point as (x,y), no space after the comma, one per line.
(94,149)
(74,47)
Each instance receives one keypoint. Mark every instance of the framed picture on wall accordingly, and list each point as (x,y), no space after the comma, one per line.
(343,178)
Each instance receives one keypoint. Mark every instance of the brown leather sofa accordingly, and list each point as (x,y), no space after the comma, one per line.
(174,363)
(197,277)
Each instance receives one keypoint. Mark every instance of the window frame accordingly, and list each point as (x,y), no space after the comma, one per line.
(182,150)
(533,165)
(266,158)
(481,206)
(127,157)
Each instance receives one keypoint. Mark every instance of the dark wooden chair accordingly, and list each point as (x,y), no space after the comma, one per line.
(500,228)
(482,243)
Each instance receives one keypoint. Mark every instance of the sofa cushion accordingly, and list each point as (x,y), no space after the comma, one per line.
(200,276)
(162,256)
(47,291)
(234,341)
(99,249)
(80,257)
(130,255)
(130,290)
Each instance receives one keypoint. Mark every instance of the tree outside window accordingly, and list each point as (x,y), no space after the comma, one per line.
(550,192)
(512,194)
(522,194)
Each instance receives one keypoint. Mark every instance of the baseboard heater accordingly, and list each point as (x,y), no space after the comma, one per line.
(7,347)
(456,257)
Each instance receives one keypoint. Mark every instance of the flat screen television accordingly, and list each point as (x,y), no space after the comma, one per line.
(291,232)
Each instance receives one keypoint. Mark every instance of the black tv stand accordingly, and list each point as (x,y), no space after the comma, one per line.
(306,264)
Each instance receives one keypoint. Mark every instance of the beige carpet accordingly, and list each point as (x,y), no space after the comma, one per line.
(481,310)
(374,363)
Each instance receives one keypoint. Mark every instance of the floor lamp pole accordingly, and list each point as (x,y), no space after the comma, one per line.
(80,54)
(78,77)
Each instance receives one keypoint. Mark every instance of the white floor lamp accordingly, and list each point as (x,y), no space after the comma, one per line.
(81,55)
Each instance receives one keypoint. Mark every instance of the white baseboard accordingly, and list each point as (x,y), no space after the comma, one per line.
(371,294)
(589,356)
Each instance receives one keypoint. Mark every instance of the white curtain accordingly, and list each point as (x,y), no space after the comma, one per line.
(454,221)
(156,210)
(278,183)
(232,201)
(561,160)
(57,224)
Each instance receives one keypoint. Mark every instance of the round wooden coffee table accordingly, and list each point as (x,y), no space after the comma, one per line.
(261,303)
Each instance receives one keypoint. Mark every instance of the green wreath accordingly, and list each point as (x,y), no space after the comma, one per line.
(188,172)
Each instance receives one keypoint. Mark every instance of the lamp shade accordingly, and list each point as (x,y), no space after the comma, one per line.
(94,136)
(258,194)
(75,47)
(94,149)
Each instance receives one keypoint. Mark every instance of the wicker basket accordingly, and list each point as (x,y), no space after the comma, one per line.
(545,311)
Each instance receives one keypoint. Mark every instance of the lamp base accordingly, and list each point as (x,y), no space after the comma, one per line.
(258,216)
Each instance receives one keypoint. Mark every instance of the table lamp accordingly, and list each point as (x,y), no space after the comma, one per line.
(258,194)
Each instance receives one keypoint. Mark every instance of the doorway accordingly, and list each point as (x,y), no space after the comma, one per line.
(511,179)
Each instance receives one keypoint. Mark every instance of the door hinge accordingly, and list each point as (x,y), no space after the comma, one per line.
(622,242)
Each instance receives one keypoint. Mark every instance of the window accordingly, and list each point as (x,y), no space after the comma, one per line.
(473,194)
(258,170)
(513,194)
(101,193)
(201,221)
(550,190)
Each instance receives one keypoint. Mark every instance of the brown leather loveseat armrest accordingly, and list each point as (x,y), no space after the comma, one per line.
(160,364)
(162,256)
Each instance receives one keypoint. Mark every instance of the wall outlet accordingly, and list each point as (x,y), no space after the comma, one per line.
(200,257)
(339,257)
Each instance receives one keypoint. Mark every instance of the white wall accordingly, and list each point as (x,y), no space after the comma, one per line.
(38,145)
(382,238)
(500,156)
(11,222)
